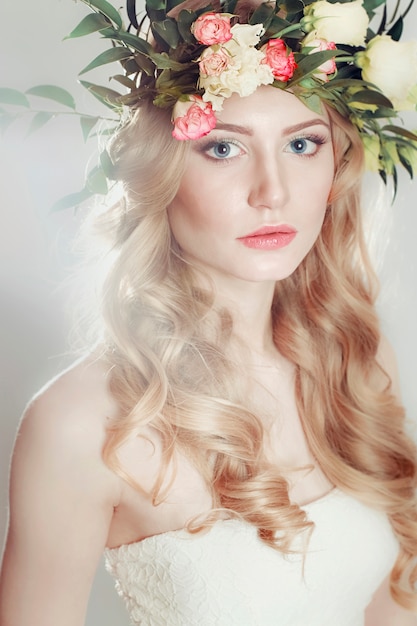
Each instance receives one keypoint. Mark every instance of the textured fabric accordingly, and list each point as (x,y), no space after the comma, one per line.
(229,577)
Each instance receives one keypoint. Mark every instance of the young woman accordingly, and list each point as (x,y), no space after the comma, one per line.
(235,440)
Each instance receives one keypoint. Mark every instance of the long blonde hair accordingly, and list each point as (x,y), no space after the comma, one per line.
(165,341)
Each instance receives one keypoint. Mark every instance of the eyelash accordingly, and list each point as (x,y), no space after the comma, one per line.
(205,148)
(318,140)
(209,145)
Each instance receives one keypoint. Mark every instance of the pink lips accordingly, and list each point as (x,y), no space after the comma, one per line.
(269,237)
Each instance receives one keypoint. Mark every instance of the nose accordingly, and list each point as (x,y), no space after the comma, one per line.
(269,185)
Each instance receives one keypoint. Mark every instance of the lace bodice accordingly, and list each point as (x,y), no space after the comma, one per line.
(229,577)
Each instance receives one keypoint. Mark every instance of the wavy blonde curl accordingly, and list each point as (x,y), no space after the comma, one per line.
(165,345)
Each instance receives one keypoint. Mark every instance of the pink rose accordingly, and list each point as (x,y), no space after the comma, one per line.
(212,28)
(279,59)
(214,63)
(192,118)
(328,67)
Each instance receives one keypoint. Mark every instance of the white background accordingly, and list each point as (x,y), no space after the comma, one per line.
(35,171)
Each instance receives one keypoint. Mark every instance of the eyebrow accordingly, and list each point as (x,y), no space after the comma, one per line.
(289,130)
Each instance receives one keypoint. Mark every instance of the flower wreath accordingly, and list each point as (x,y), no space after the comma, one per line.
(191,60)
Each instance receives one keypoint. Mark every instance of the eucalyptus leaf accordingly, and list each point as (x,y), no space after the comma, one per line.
(90,24)
(130,40)
(368,96)
(292,6)
(13,96)
(96,181)
(405,162)
(72,200)
(395,182)
(307,64)
(107,165)
(168,31)
(398,130)
(106,96)
(108,56)
(6,119)
(164,62)
(156,5)
(185,19)
(52,92)
(396,30)
(262,15)
(142,62)
(39,119)
(125,81)
(106,9)
(87,124)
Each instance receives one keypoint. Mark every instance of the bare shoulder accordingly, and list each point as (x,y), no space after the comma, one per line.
(63,430)
(62,500)
(71,410)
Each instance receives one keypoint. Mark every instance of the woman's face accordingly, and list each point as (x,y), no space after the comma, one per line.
(253,197)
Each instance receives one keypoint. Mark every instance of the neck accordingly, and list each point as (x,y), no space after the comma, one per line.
(250,306)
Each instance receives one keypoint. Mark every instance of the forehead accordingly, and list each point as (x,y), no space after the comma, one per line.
(268,108)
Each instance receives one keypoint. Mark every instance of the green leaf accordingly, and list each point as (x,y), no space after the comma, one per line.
(52,92)
(369,96)
(87,125)
(398,130)
(143,63)
(164,62)
(185,19)
(405,162)
(106,9)
(130,40)
(310,62)
(90,24)
(125,81)
(39,120)
(106,96)
(155,5)
(396,30)
(168,31)
(107,165)
(108,56)
(96,181)
(6,119)
(262,15)
(13,96)
(72,200)
(292,6)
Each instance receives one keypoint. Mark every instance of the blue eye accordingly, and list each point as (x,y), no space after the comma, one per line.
(305,146)
(222,150)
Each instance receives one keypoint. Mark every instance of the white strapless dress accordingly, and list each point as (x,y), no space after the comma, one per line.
(229,577)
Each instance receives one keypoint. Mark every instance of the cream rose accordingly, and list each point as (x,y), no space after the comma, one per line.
(245,71)
(392,67)
(341,22)
(213,62)
(247,34)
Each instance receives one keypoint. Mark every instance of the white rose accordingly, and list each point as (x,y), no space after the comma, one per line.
(392,67)
(244,75)
(344,23)
(247,34)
